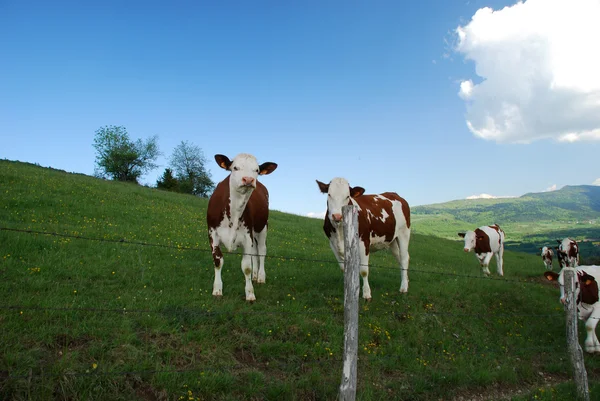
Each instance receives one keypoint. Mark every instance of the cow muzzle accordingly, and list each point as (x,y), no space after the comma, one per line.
(248,182)
(337,217)
(466,250)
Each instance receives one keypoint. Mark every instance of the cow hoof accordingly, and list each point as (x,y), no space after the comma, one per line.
(260,281)
(403,290)
(217,294)
(368,299)
(250,298)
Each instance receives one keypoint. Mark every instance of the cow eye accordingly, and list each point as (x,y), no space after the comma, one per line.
(236,168)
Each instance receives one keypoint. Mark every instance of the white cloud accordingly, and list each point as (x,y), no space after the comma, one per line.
(538,65)
(316,215)
(550,188)
(596,181)
(488,196)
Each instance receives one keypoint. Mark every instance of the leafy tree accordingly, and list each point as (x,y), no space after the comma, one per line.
(168,181)
(188,163)
(120,158)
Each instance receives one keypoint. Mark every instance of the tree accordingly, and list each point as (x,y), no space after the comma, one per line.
(188,161)
(120,158)
(168,181)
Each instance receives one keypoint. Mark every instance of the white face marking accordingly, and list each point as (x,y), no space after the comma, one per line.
(244,171)
(469,241)
(544,250)
(338,196)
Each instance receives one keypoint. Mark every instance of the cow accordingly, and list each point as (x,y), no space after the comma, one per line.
(586,298)
(567,253)
(547,255)
(486,241)
(383,222)
(237,215)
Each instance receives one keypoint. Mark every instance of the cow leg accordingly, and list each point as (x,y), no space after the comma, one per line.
(364,272)
(499,261)
(218,262)
(249,251)
(337,252)
(591,341)
(255,260)
(484,260)
(400,251)
(261,250)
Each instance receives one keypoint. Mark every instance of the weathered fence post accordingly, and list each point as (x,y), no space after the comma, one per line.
(351,290)
(575,351)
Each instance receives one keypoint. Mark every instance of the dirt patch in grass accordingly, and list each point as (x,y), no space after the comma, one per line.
(144,391)
(500,392)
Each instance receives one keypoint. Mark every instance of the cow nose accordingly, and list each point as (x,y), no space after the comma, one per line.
(247,181)
(336,217)
(466,249)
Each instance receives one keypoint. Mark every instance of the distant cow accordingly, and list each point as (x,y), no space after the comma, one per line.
(486,241)
(547,255)
(237,216)
(586,296)
(567,253)
(383,222)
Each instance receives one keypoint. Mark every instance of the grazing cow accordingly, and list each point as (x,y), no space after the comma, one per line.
(237,216)
(486,241)
(383,222)
(586,296)
(567,253)
(547,255)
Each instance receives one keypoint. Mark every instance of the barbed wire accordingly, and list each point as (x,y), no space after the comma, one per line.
(279,257)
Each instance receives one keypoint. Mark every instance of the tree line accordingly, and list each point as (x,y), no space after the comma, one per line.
(121,159)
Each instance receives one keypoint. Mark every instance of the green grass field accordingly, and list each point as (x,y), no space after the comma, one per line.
(95,314)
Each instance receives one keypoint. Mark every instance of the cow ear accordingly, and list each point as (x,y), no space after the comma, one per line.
(559,241)
(356,192)
(551,276)
(462,235)
(587,279)
(267,168)
(324,188)
(223,161)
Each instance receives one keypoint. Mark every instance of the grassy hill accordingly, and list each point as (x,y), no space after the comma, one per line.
(117,305)
(530,221)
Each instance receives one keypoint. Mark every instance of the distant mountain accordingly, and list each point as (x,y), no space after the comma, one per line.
(529,220)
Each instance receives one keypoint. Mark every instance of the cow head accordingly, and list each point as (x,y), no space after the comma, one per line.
(563,258)
(244,170)
(339,194)
(586,286)
(470,240)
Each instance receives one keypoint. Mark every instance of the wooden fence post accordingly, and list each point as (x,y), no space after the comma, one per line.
(575,351)
(351,290)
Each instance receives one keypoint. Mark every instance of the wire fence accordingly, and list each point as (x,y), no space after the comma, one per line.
(472,350)
(278,257)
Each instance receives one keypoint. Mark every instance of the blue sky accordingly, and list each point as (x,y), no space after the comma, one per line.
(377,92)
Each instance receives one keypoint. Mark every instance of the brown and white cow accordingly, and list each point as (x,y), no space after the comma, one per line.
(383,222)
(237,216)
(586,297)
(547,255)
(486,241)
(567,253)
